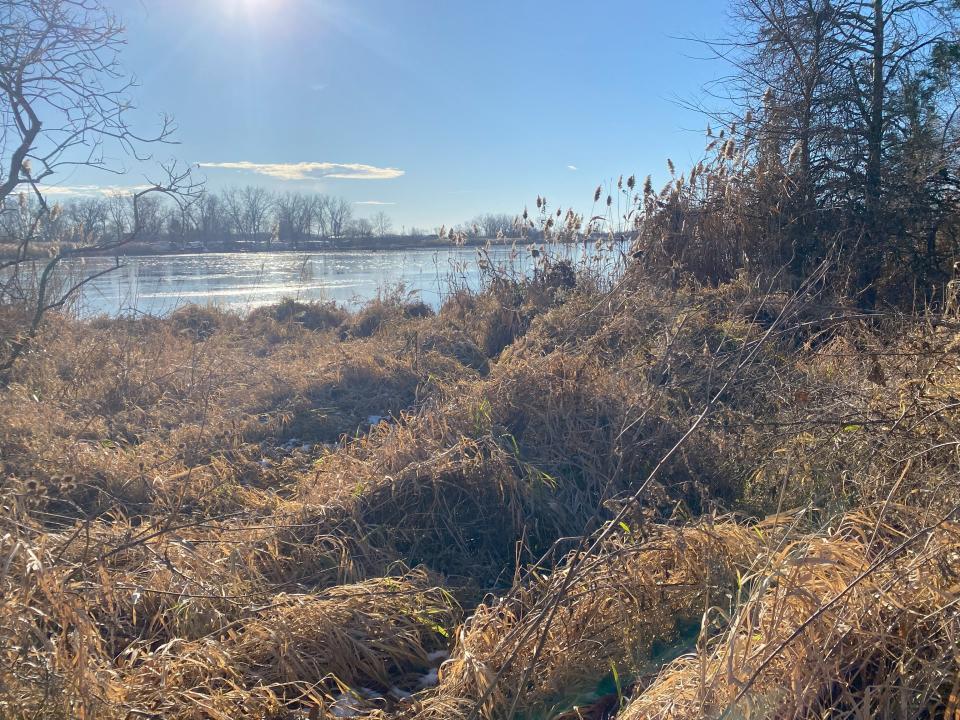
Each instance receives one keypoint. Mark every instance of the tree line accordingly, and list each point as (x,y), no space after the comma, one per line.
(248,213)
(237,214)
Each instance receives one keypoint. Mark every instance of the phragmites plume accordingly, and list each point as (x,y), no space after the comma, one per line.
(709,131)
(648,186)
(26,167)
(728,150)
(768,97)
(442,232)
(748,118)
(795,152)
(526,214)
(670,167)
(632,182)
(558,212)
(596,194)
(22,201)
(56,211)
(539,202)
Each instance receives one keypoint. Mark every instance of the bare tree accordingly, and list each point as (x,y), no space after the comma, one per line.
(493,224)
(339,213)
(88,218)
(382,224)
(63,100)
(118,211)
(232,201)
(64,94)
(257,204)
(362,228)
(295,216)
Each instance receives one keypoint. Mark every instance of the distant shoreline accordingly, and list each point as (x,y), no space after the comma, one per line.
(40,251)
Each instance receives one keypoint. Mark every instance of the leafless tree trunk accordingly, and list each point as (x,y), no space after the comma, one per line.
(63,99)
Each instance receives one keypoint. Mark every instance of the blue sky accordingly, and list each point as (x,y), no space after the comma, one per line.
(439,109)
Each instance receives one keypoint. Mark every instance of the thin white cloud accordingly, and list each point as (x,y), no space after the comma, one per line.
(373,202)
(311,170)
(90,190)
(572,167)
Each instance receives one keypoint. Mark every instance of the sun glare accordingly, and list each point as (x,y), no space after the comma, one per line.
(247,7)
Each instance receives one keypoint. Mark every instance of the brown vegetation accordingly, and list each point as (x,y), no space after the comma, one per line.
(216,516)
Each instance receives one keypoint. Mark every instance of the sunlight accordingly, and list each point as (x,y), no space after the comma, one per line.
(250,8)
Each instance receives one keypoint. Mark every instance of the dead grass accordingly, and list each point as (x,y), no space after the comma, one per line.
(855,622)
(208,516)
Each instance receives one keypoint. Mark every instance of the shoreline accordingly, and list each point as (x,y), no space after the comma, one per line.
(142,249)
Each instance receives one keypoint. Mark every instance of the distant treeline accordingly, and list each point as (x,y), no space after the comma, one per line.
(231,219)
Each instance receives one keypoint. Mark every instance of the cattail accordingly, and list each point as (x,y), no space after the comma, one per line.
(558,212)
(609,200)
(596,194)
(709,131)
(620,183)
(539,201)
(525,214)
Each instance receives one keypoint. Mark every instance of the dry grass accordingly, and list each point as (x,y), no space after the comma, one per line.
(210,516)
(858,622)
(637,594)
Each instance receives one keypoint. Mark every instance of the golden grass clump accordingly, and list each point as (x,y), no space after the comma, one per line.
(307,315)
(856,622)
(632,598)
(297,651)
